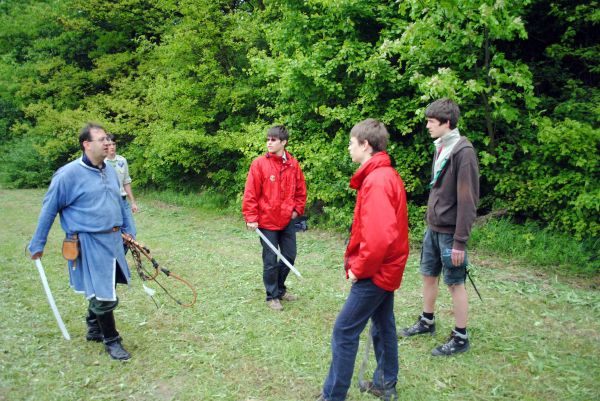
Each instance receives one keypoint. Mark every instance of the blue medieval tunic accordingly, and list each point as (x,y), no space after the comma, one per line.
(88,201)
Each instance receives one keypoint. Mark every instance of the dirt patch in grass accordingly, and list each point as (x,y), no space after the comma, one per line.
(167,389)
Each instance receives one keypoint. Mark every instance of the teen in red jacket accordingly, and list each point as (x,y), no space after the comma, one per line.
(274,196)
(378,246)
(374,262)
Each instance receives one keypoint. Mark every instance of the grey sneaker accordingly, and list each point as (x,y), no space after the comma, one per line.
(289,297)
(456,343)
(423,326)
(275,304)
(387,394)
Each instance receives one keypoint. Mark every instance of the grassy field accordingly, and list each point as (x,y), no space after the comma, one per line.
(534,337)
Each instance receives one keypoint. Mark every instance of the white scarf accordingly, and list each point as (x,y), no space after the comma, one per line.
(443,147)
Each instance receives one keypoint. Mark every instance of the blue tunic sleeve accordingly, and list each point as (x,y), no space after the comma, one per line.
(54,201)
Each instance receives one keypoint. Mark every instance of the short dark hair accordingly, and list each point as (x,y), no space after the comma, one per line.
(444,110)
(85,133)
(372,131)
(110,136)
(279,132)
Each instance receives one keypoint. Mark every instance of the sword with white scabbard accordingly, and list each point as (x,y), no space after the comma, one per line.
(61,325)
(274,249)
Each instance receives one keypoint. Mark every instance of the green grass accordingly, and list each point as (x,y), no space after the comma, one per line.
(553,251)
(535,336)
(208,200)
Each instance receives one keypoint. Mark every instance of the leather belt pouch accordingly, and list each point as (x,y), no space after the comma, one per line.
(70,248)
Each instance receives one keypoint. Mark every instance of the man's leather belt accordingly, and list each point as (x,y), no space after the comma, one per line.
(110,230)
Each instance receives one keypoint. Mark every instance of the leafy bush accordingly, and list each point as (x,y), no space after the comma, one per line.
(557,179)
(20,166)
(189,88)
(416,223)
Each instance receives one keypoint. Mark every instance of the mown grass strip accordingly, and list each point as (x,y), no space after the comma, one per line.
(535,336)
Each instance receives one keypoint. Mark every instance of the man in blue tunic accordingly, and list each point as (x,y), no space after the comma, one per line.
(86,195)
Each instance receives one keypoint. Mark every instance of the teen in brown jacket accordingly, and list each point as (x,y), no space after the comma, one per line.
(451,211)
(452,204)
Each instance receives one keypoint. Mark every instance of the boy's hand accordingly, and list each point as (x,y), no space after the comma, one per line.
(458,257)
(252,226)
(352,277)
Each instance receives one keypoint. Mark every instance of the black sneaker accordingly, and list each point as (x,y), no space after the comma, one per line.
(388,394)
(456,343)
(423,326)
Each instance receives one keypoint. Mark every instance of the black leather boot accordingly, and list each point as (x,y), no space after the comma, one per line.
(112,340)
(93,328)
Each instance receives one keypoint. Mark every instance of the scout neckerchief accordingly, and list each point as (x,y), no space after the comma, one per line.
(443,148)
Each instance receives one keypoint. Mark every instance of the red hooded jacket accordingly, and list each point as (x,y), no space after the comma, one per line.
(378,247)
(274,189)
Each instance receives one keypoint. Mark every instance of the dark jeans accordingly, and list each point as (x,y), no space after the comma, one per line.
(275,271)
(365,301)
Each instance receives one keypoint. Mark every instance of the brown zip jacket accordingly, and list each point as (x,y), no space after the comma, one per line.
(452,204)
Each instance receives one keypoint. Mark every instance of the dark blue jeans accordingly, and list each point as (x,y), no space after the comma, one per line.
(275,271)
(365,301)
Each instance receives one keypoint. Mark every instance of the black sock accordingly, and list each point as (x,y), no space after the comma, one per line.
(462,331)
(428,316)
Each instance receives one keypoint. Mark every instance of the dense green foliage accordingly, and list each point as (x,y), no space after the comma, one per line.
(190,86)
